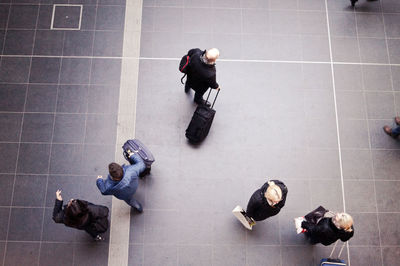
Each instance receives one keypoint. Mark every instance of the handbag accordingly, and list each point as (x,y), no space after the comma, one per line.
(316,215)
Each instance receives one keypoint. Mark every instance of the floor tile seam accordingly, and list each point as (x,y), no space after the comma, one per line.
(59,4)
(394,106)
(56,113)
(20,137)
(3,47)
(177,59)
(336,117)
(52,133)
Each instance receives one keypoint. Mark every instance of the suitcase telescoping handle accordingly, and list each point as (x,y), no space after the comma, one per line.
(334,247)
(214,98)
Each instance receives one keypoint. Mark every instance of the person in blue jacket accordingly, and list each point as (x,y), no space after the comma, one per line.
(122,181)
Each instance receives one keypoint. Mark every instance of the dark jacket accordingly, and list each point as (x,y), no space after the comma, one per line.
(96,224)
(200,76)
(325,232)
(258,207)
(126,187)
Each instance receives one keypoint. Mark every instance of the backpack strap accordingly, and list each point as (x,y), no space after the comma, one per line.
(183,78)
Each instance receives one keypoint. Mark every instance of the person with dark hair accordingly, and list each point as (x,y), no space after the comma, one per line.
(81,215)
(329,229)
(122,181)
(201,73)
(267,201)
(394,132)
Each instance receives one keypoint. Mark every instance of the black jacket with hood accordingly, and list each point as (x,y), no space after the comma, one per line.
(258,207)
(200,76)
(95,223)
(325,232)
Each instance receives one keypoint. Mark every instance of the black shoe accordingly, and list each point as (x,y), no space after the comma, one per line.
(138,207)
(187,87)
(202,102)
(145,172)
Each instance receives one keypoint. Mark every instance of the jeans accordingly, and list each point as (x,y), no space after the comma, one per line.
(396,132)
(133,203)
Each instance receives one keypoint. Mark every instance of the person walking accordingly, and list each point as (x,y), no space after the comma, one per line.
(395,131)
(267,201)
(81,215)
(329,229)
(201,73)
(122,181)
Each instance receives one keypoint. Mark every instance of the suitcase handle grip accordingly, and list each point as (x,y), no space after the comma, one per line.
(214,98)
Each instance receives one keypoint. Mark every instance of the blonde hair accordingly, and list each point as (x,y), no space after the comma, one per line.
(343,221)
(274,192)
(212,54)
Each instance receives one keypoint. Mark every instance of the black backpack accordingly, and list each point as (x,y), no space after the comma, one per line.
(184,65)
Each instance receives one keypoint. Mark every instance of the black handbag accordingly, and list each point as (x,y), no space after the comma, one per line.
(316,215)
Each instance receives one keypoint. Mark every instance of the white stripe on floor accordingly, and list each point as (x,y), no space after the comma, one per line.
(120,213)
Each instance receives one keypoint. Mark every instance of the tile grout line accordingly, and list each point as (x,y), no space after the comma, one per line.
(20,136)
(336,118)
(52,135)
(221,60)
(394,106)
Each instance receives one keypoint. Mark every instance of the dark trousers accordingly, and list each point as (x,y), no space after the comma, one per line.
(396,131)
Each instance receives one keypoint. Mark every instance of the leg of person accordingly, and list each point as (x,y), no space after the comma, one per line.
(93,234)
(135,204)
(396,132)
(198,98)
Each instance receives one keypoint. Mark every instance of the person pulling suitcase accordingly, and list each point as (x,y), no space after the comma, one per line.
(199,66)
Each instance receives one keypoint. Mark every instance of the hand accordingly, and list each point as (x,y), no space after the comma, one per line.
(218,88)
(99,176)
(58,195)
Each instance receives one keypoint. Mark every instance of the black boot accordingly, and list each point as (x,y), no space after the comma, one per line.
(187,87)
(145,172)
(202,102)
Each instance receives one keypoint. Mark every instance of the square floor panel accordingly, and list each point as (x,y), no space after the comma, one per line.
(66,17)
(23,16)
(20,230)
(37,127)
(19,42)
(8,157)
(91,254)
(41,98)
(83,38)
(24,185)
(7,183)
(33,158)
(69,128)
(14,69)
(10,127)
(12,97)
(4,217)
(66,158)
(21,253)
(44,70)
(56,254)
(48,42)
(72,99)
(75,71)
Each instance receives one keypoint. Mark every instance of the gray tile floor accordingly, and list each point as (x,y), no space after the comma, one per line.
(276,118)
(58,121)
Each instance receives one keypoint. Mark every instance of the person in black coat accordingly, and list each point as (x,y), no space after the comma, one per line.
(267,201)
(81,215)
(201,73)
(329,229)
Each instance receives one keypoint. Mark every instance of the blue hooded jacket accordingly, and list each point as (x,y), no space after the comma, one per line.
(126,187)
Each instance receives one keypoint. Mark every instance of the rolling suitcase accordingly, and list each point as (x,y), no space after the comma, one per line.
(138,147)
(201,122)
(332,261)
